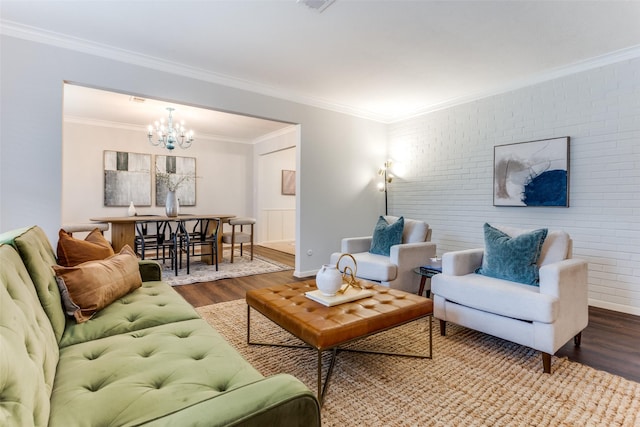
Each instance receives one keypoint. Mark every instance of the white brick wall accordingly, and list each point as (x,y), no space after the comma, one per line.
(444,165)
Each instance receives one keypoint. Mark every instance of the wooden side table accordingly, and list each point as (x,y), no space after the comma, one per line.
(426,272)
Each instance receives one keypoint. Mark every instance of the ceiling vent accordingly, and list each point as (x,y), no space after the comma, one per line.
(319,5)
(137,99)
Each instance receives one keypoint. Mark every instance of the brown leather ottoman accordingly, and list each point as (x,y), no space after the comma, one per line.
(326,328)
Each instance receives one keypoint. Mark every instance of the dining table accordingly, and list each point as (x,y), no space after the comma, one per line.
(123,228)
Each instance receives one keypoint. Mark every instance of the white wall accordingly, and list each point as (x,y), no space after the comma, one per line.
(275,212)
(448,160)
(448,156)
(31,143)
(224,183)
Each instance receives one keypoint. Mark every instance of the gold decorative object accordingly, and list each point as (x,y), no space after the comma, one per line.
(349,274)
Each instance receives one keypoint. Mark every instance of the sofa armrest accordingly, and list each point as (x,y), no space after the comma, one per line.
(459,263)
(411,255)
(278,400)
(564,279)
(150,270)
(354,245)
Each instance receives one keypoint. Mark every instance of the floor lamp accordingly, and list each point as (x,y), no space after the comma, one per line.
(387,178)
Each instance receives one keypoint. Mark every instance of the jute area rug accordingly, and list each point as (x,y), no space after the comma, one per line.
(201,272)
(473,380)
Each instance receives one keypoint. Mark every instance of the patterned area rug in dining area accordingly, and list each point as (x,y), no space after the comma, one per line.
(201,272)
(473,379)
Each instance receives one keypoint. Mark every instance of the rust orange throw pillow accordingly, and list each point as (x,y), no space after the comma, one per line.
(73,251)
(91,286)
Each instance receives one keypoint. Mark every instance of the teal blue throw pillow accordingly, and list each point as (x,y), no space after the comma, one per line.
(512,258)
(386,235)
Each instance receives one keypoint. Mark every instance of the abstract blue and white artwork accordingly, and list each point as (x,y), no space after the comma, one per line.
(534,173)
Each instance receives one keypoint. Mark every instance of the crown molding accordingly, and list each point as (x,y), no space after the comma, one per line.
(38,35)
(559,72)
(143,129)
(274,134)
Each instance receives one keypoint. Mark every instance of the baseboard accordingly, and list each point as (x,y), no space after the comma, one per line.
(615,307)
(303,274)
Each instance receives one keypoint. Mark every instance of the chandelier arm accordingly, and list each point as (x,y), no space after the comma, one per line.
(170,136)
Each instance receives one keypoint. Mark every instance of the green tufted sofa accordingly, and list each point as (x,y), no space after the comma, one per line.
(147,359)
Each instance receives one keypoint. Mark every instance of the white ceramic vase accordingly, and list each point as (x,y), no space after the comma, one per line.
(132,210)
(329,280)
(171,207)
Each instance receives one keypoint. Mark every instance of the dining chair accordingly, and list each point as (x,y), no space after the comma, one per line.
(163,240)
(240,236)
(204,233)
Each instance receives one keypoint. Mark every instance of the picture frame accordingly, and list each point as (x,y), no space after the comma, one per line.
(177,169)
(127,178)
(288,183)
(532,173)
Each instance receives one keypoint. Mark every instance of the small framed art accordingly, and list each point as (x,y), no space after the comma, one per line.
(288,183)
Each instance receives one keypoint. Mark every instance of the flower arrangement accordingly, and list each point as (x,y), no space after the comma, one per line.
(172,181)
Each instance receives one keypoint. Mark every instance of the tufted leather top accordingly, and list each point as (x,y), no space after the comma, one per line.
(327,327)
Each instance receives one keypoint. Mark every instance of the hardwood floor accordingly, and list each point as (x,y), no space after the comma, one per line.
(610,343)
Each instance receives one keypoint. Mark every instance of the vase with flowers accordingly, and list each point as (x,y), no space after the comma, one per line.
(172,182)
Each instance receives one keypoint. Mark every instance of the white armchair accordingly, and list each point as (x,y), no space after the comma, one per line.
(543,317)
(395,270)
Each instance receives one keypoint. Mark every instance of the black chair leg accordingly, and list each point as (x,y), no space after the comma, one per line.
(214,251)
(188,258)
(174,261)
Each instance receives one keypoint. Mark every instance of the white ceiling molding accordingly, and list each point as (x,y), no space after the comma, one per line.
(599,61)
(91,48)
(274,134)
(104,123)
(56,39)
(143,130)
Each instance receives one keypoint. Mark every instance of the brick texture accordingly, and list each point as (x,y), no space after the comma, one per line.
(444,166)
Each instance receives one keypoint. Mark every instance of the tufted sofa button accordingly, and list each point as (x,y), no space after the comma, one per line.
(94,353)
(96,386)
(146,353)
(158,384)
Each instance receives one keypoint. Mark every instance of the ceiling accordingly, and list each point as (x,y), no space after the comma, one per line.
(99,107)
(384,60)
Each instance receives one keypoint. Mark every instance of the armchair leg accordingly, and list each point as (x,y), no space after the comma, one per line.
(443,327)
(546,363)
(577,340)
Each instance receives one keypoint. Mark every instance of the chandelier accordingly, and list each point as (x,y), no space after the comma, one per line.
(170,135)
